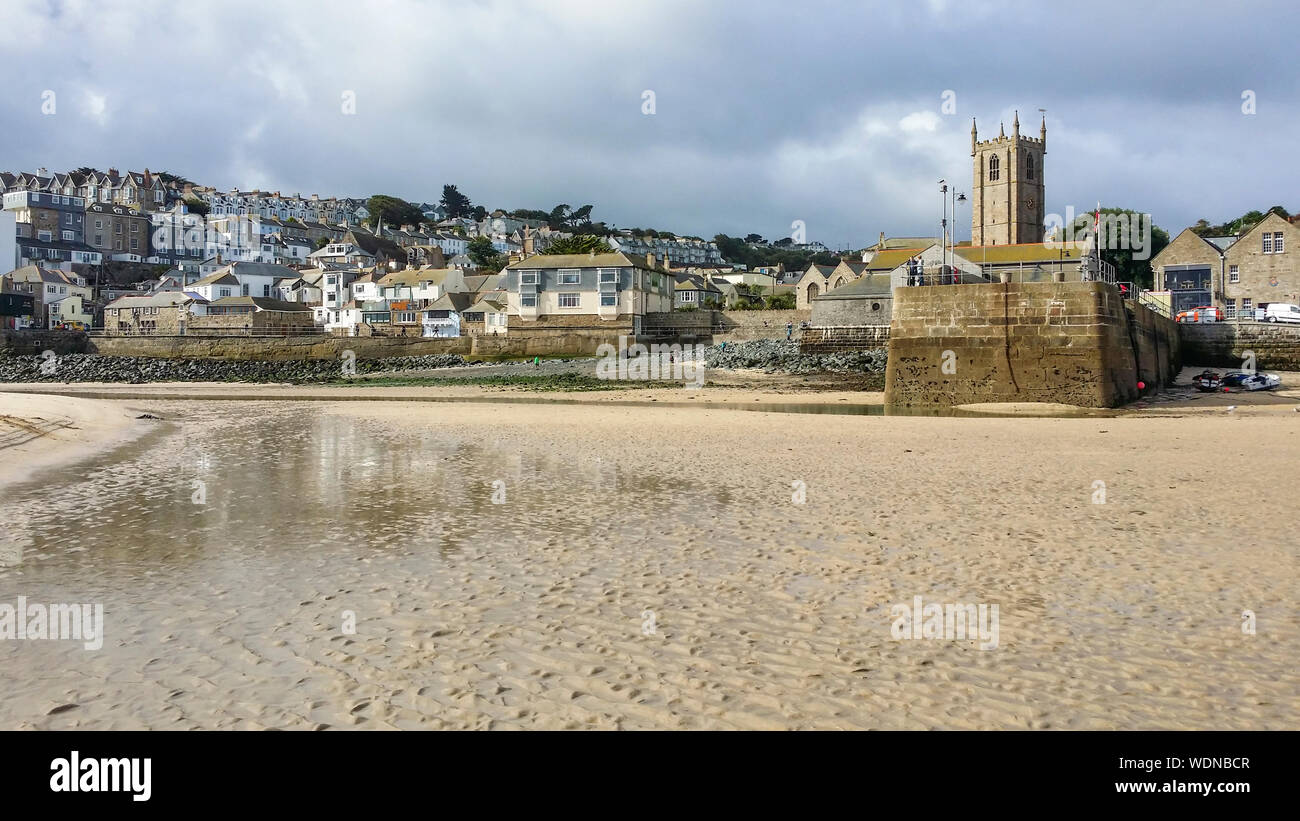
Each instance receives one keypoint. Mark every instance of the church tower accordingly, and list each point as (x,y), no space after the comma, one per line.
(1007,201)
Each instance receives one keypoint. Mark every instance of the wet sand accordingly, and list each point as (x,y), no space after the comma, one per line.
(39,432)
(649,568)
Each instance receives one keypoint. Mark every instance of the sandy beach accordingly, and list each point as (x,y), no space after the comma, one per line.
(658,567)
(40,431)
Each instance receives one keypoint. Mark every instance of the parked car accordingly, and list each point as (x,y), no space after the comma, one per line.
(1277,312)
(71,325)
(1201,313)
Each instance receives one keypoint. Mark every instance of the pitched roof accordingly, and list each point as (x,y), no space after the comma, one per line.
(895,243)
(450,302)
(376,245)
(616,259)
(482,282)
(414,276)
(259,269)
(222,276)
(692,282)
(489,301)
(891,259)
(877,284)
(162,299)
(1023,252)
(262,303)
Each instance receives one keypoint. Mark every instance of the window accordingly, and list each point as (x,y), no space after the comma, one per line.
(99,224)
(687,296)
(1229,309)
(527,277)
(1234,274)
(266,289)
(117,228)
(67,236)
(1268,243)
(1277,243)
(570,300)
(99,239)
(994,163)
(608,300)
(224,291)
(67,219)
(243,290)
(1247,309)
(608,276)
(569,277)
(528,300)
(1029,166)
(135,227)
(135,243)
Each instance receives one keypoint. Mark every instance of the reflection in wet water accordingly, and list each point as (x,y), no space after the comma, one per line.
(238,532)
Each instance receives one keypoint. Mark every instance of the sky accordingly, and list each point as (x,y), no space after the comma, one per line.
(759,114)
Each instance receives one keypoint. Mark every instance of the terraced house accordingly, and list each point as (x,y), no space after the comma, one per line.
(581,289)
(119,233)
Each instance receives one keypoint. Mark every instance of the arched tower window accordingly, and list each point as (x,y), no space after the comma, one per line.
(1029,166)
(993,167)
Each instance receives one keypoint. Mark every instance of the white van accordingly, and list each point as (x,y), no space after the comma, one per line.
(1277,312)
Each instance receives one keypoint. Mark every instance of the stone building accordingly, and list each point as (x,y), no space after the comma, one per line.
(1007,189)
(1236,274)
(118,232)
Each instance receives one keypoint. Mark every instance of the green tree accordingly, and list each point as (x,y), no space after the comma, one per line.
(172,179)
(482,254)
(559,217)
(197,206)
(1128,269)
(579,244)
(456,203)
(393,211)
(480,213)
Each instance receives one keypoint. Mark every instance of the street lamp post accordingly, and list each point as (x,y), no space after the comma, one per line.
(943,241)
(956,198)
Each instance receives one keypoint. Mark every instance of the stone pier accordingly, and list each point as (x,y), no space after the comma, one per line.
(1077,343)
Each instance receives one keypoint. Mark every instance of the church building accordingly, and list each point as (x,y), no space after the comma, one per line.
(1007,203)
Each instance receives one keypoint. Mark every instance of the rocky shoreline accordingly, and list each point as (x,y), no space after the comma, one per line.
(771,356)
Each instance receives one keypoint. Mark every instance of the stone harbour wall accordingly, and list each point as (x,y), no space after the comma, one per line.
(1077,343)
(1276,345)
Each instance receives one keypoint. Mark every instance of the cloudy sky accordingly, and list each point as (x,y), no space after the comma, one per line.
(763,112)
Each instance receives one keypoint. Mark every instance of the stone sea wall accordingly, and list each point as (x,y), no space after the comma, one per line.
(1076,343)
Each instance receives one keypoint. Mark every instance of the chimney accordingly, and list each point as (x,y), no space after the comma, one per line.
(41,172)
(529,243)
(650,259)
